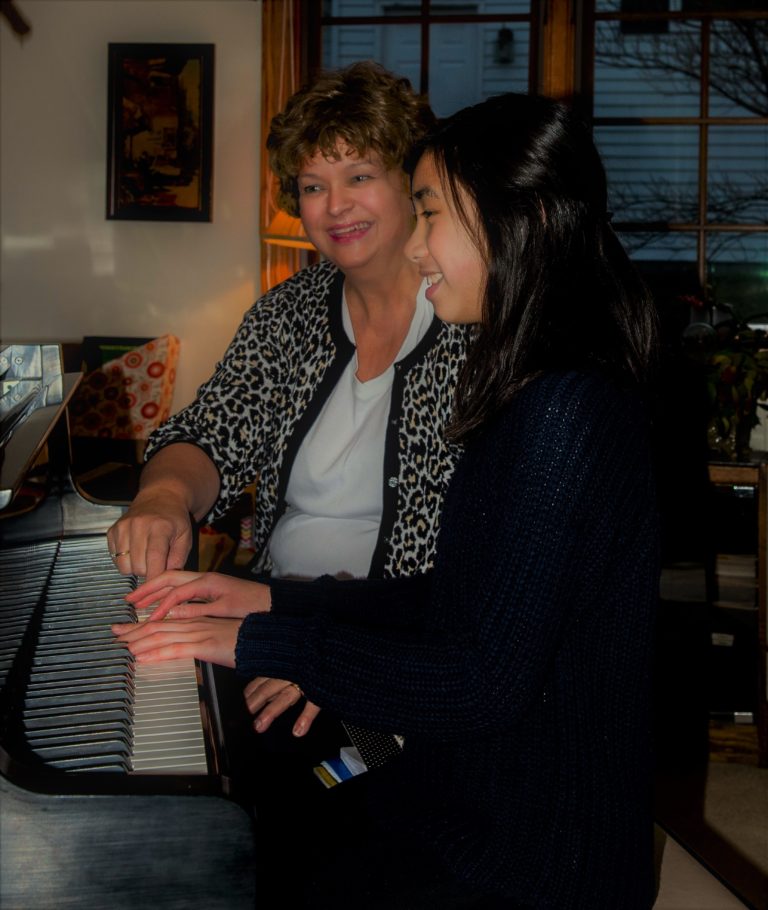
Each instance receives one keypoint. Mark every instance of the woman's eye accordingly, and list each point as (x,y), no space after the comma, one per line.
(310,188)
(361,178)
(427,213)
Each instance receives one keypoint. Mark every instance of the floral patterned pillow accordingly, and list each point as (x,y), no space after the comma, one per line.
(129,396)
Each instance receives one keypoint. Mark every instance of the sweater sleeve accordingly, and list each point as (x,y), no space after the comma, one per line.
(367,603)
(227,417)
(529,525)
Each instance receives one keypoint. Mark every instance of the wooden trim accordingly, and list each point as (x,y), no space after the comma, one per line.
(755,475)
(728,474)
(280,78)
(557,69)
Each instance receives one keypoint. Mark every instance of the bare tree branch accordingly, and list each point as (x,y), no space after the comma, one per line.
(14,18)
(738,61)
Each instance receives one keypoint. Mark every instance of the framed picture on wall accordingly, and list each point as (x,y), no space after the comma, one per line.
(160,139)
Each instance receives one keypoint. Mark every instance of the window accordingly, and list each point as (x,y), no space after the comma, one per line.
(457,52)
(679,99)
(676,90)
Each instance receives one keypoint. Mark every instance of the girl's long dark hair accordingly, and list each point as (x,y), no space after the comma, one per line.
(561,292)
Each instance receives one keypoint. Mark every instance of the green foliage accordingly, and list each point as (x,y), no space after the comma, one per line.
(737,378)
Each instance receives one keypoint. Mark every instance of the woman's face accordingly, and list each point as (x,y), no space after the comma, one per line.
(447,256)
(355,211)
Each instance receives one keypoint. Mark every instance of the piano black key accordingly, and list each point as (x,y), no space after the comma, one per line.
(76,719)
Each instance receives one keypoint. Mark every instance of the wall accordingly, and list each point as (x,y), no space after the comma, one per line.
(66,271)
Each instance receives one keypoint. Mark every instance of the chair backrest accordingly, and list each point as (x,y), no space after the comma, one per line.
(128,389)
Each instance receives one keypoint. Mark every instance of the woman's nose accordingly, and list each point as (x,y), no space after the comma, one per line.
(338,200)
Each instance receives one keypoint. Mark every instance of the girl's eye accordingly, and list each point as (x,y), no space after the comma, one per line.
(427,213)
(361,178)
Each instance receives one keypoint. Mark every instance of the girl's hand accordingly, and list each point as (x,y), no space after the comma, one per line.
(210,639)
(189,595)
(269,698)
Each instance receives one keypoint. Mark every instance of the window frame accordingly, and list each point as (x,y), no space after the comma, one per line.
(315,21)
(562,65)
(702,225)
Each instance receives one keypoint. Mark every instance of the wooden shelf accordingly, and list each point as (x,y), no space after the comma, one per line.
(756,475)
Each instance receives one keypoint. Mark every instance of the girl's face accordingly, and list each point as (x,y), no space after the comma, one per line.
(355,211)
(447,256)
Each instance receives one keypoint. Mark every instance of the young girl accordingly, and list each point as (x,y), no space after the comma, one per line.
(519,670)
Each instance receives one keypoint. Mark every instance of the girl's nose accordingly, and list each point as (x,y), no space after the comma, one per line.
(414,247)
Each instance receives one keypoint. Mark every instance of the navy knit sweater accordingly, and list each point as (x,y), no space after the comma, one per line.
(519,670)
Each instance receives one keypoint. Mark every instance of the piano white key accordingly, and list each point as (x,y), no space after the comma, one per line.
(167,728)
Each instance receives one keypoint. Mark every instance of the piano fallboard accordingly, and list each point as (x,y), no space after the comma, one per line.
(123,852)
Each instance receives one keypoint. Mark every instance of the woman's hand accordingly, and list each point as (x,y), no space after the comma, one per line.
(189,595)
(210,639)
(154,534)
(269,698)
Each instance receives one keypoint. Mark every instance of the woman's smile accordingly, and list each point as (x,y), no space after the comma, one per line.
(349,233)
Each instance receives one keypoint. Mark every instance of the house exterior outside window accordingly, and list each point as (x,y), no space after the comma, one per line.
(678,93)
(459,51)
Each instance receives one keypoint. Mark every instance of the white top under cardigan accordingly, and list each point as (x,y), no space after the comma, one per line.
(334,495)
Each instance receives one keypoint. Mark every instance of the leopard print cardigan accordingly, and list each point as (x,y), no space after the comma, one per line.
(252,414)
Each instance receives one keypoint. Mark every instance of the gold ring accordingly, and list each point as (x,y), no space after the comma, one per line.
(120,553)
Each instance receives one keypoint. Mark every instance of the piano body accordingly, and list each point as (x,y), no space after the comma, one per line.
(115,787)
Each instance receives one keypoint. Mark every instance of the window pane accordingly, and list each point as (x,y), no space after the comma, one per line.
(657,248)
(397,47)
(647,74)
(652,171)
(371,8)
(413,7)
(738,272)
(487,7)
(507,6)
(738,179)
(738,85)
(471,62)
(689,6)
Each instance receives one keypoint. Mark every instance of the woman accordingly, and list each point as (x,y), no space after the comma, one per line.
(336,389)
(519,670)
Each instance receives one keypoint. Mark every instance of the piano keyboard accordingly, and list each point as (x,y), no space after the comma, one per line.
(87,750)
(70,695)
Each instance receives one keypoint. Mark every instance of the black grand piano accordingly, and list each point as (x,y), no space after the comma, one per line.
(116,787)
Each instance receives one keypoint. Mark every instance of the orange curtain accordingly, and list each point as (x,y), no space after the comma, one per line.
(281,77)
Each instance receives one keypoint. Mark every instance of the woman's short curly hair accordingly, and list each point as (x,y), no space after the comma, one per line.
(364,106)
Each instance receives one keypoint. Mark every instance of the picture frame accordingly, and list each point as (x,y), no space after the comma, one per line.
(160,132)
